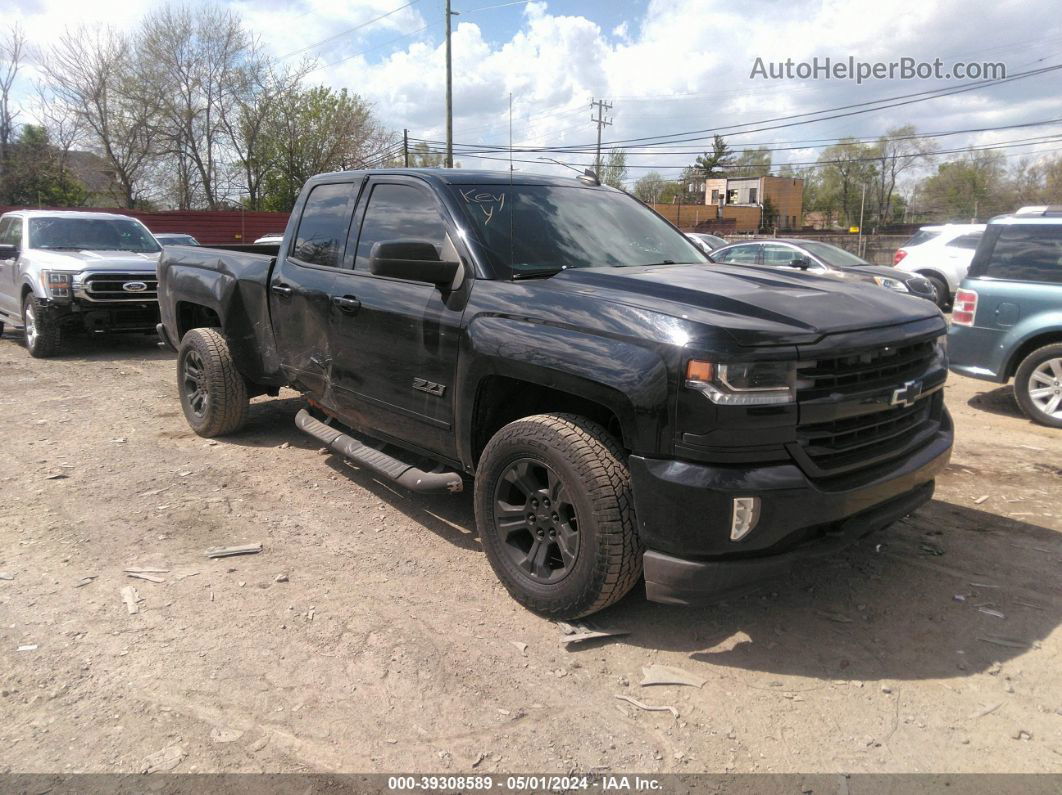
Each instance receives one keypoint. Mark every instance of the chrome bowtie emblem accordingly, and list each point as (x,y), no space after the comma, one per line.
(134,287)
(908,394)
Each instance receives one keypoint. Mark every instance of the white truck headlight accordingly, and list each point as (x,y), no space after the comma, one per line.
(891,284)
(744,383)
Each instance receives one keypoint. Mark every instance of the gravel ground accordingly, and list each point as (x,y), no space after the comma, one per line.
(370,634)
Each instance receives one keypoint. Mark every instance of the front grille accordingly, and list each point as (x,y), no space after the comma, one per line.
(892,364)
(877,430)
(111,287)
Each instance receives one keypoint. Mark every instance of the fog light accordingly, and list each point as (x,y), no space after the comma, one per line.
(746,514)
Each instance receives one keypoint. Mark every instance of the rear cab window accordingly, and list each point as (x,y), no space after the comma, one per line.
(323,227)
(1021,252)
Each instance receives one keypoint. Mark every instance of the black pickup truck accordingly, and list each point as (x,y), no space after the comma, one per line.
(621,403)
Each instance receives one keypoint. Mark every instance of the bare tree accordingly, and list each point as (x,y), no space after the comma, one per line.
(897,152)
(94,71)
(12,51)
(64,125)
(198,61)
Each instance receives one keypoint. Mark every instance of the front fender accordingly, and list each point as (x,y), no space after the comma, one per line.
(629,379)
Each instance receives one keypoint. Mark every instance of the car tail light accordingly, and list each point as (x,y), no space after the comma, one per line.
(899,255)
(964,308)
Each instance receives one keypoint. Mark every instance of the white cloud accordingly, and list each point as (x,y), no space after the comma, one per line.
(682,65)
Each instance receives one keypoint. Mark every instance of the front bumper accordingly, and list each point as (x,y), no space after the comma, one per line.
(678,581)
(684,512)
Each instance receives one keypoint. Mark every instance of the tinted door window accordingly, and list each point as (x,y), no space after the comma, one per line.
(969,241)
(745,255)
(323,227)
(5,231)
(780,256)
(399,212)
(1027,253)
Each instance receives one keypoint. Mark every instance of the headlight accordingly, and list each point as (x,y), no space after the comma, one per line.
(56,283)
(891,284)
(743,384)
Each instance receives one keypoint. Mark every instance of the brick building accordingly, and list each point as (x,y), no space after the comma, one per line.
(742,199)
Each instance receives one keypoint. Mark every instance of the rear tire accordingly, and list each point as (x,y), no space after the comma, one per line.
(555,515)
(43,337)
(1038,385)
(213,392)
(941,294)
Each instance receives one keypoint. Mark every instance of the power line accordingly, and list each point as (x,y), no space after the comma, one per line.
(861,108)
(349,30)
(824,142)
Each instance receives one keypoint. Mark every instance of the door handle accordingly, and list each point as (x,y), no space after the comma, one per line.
(282,289)
(346,303)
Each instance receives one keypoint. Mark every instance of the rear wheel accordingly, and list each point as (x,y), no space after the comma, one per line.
(213,393)
(556,515)
(1038,385)
(43,337)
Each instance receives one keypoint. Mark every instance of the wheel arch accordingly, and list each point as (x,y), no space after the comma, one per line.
(1031,343)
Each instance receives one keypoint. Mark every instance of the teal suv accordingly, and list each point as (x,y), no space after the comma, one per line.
(1007,315)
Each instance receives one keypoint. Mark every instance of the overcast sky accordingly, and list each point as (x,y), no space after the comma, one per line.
(668,66)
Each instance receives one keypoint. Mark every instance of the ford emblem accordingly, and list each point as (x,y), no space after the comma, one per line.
(134,287)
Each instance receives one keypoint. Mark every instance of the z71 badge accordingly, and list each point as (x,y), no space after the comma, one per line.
(424,385)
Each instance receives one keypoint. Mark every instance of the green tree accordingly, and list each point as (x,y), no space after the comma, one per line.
(973,186)
(845,169)
(717,162)
(34,175)
(615,169)
(895,154)
(313,131)
(751,163)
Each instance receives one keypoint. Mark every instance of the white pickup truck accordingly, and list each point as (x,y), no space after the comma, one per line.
(76,271)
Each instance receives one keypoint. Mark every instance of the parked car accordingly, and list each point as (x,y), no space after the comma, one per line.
(619,405)
(1007,318)
(942,255)
(822,259)
(705,242)
(175,239)
(71,271)
(272,239)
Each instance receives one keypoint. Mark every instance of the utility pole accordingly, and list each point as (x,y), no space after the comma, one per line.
(405,147)
(449,92)
(601,122)
(862,205)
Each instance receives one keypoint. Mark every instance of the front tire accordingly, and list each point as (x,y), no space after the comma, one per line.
(213,393)
(941,294)
(1038,385)
(555,514)
(43,337)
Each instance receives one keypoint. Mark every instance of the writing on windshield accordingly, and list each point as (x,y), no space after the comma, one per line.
(543,229)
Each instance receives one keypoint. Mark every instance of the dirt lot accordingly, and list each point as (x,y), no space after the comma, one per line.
(390,646)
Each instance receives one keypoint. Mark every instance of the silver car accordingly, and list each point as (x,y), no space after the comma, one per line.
(66,271)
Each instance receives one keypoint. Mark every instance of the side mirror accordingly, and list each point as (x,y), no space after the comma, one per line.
(413,260)
(8,251)
(800,262)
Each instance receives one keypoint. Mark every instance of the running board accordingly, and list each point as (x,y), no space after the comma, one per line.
(379,462)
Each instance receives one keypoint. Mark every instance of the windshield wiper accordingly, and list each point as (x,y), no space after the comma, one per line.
(541,273)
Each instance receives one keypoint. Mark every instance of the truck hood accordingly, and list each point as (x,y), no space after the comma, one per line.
(754,305)
(86,260)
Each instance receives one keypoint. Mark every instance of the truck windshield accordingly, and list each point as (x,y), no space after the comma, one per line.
(91,234)
(539,230)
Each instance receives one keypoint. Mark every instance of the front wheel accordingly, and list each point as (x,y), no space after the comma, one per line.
(555,515)
(213,393)
(1038,385)
(43,337)
(941,295)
